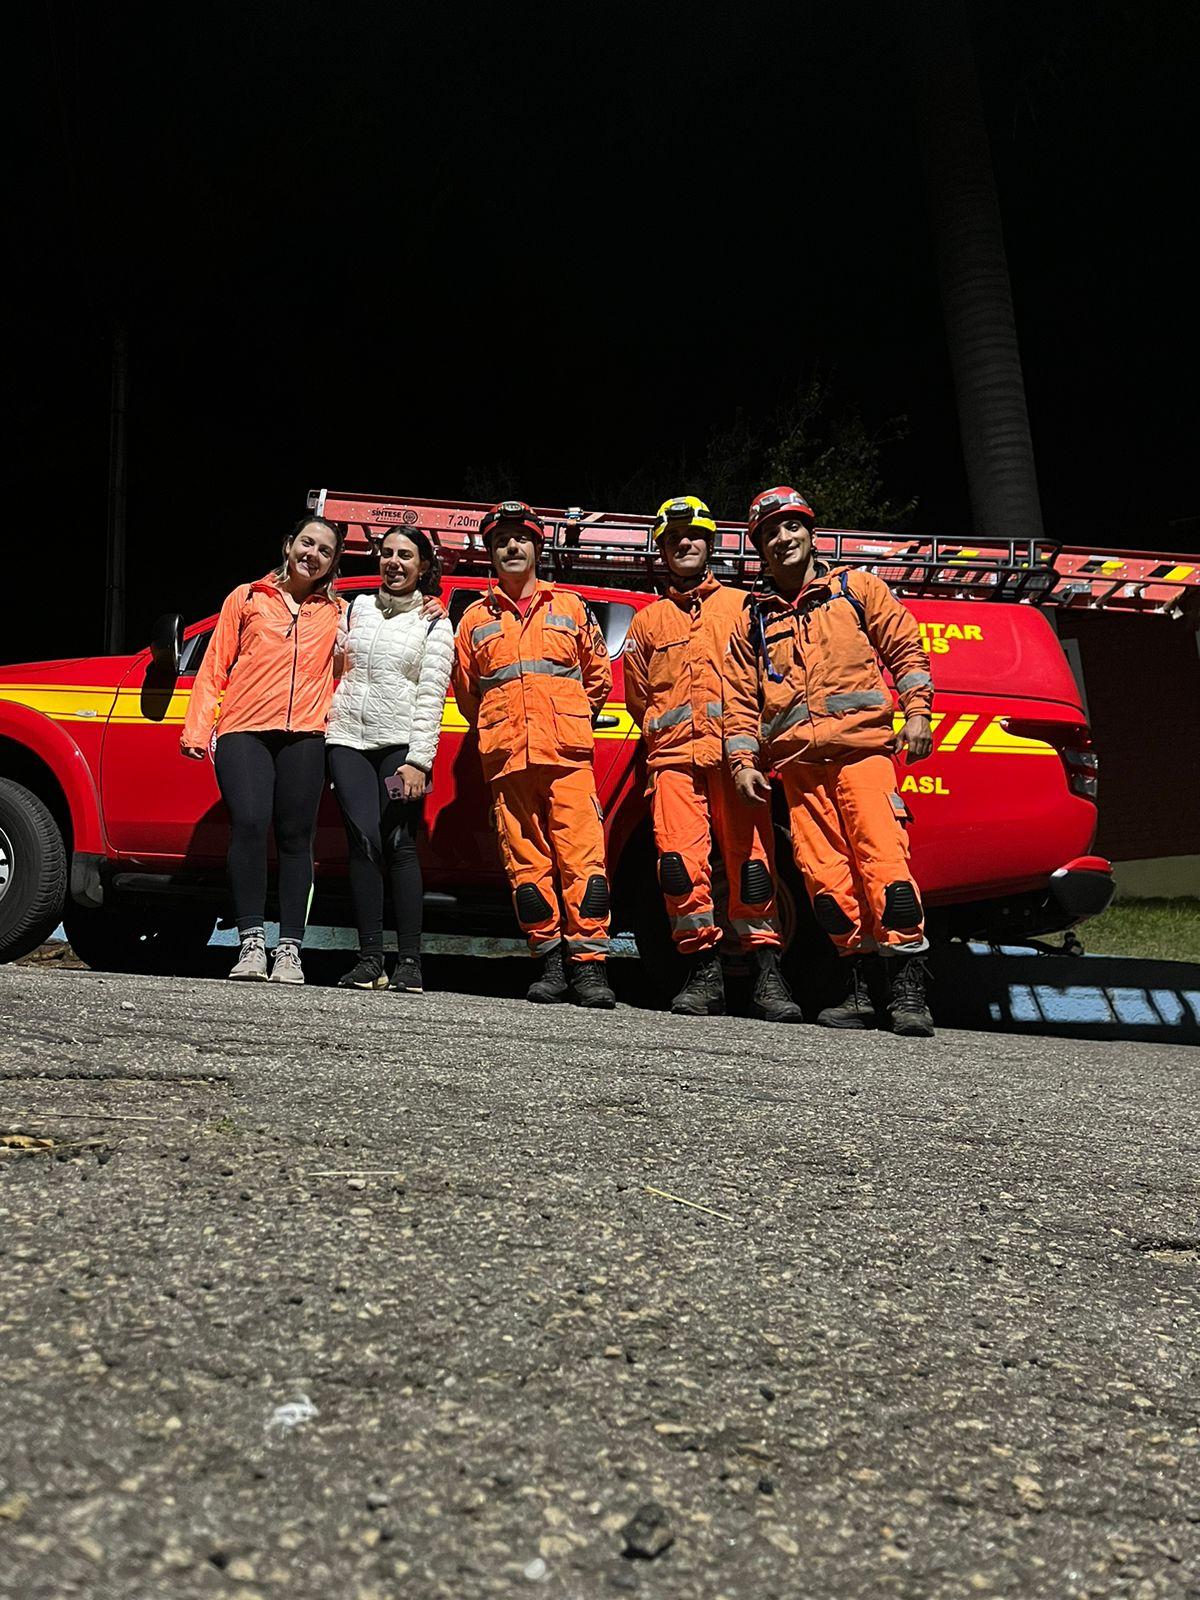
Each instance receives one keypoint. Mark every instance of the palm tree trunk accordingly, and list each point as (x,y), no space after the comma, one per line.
(973,277)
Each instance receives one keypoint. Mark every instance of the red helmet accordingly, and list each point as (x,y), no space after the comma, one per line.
(772,503)
(509,515)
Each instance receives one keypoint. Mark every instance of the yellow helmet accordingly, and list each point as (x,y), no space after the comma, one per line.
(683,508)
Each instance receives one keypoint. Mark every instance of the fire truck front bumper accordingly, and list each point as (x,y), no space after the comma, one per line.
(1081,889)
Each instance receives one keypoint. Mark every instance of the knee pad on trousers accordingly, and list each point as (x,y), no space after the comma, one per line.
(830,916)
(532,905)
(901,908)
(673,875)
(595,897)
(757,887)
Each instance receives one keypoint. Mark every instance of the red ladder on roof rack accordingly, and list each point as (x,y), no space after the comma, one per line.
(611,548)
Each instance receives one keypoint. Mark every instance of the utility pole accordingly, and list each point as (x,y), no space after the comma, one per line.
(114,577)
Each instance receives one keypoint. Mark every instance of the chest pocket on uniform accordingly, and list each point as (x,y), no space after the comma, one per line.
(559,633)
(665,665)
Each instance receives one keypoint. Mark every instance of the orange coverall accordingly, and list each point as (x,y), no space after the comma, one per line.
(672,662)
(531,687)
(804,695)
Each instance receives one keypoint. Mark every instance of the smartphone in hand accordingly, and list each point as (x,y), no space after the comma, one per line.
(395,787)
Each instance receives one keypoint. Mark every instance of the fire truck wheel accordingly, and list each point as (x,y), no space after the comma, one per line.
(168,942)
(33,871)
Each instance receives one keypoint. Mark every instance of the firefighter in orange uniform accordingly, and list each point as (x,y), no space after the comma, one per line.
(672,661)
(804,695)
(531,674)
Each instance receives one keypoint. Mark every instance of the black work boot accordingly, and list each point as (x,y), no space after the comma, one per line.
(703,995)
(772,997)
(857,1010)
(589,985)
(907,1008)
(550,986)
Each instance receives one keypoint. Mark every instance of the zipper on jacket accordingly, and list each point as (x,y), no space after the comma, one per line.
(294,630)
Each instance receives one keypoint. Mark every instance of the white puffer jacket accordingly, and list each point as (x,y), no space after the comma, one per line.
(393,685)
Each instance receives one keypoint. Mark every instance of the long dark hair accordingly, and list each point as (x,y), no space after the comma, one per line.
(430,581)
(339,542)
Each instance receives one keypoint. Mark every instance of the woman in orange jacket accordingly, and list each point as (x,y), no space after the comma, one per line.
(266,680)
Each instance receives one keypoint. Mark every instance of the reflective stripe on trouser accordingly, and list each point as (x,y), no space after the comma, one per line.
(850,845)
(549,829)
(687,808)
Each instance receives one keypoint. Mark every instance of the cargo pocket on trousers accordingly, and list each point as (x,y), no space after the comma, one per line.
(573,732)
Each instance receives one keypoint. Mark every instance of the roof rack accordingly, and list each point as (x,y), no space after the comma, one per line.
(604,547)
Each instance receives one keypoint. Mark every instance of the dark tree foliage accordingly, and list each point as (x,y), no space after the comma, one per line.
(812,441)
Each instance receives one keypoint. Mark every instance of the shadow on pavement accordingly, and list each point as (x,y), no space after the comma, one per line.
(1081,997)
(1009,991)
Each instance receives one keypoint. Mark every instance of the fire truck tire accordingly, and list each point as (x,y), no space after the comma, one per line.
(167,942)
(33,871)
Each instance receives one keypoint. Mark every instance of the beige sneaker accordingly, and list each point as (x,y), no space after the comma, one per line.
(286,966)
(251,964)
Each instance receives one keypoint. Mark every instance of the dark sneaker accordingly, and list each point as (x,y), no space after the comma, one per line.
(550,986)
(589,985)
(857,1009)
(407,977)
(907,1007)
(703,995)
(251,964)
(772,997)
(368,974)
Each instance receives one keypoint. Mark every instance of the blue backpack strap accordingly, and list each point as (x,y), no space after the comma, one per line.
(760,625)
(860,611)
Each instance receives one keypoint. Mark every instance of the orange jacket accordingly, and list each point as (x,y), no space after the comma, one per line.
(803,679)
(531,686)
(265,668)
(673,660)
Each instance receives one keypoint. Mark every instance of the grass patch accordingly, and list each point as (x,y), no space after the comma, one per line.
(1151,930)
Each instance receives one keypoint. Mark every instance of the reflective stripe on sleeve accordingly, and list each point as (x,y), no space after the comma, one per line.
(527,669)
(669,719)
(914,680)
(714,708)
(740,742)
(791,718)
(856,700)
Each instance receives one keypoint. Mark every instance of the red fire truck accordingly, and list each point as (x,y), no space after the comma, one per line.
(104,825)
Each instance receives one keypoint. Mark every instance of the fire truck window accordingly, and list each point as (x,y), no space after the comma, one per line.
(193,654)
(613,616)
(459,601)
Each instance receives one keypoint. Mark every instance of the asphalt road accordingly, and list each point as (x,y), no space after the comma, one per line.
(935,1336)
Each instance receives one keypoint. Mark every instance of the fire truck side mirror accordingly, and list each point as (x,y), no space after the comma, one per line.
(166,642)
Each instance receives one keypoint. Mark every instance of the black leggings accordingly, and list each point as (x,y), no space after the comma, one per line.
(382,836)
(265,777)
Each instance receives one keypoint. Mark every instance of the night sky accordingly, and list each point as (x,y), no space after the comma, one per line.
(414,248)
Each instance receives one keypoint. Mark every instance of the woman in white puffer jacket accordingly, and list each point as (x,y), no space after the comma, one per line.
(382,739)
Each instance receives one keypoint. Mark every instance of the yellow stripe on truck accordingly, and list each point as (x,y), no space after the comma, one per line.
(84,703)
(73,703)
(995,740)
